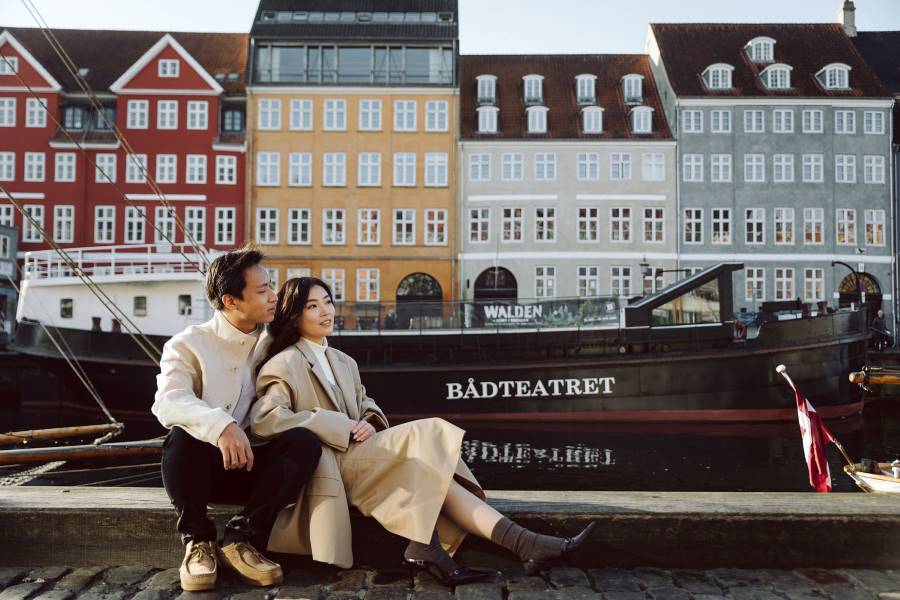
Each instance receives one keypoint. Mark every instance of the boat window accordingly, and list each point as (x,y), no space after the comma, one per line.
(700,305)
(140,306)
(65,308)
(184,305)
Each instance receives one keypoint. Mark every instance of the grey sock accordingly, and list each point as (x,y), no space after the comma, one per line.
(527,544)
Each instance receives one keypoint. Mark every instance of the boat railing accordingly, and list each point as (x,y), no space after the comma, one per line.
(98,261)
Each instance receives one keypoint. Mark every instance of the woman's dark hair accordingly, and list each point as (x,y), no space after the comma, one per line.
(292,298)
(226,274)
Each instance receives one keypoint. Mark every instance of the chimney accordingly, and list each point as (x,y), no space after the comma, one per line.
(847,18)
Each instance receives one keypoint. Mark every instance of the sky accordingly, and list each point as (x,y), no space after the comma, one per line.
(486,26)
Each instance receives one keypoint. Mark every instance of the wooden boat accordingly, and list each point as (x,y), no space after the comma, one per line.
(883,482)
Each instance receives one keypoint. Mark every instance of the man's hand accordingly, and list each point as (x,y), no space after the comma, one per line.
(362,431)
(235,447)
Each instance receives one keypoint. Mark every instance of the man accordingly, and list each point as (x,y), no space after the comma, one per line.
(204,392)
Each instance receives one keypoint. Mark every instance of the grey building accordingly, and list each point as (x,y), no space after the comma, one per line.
(784,145)
(9,239)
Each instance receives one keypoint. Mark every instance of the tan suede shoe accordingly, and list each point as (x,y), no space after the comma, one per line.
(198,569)
(251,565)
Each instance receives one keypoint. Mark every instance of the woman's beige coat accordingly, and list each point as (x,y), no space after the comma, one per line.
(293,391)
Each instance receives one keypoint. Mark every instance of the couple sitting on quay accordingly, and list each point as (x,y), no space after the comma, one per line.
(263,413)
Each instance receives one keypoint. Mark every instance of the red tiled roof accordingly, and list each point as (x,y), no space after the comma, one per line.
(564,112)
(687,49)
(108,54)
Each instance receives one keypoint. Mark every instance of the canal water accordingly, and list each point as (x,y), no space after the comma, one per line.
(651,457)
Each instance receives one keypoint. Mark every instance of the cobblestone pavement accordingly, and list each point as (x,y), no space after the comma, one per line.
(320,582)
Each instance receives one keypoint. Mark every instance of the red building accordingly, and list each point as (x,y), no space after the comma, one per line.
(178,99)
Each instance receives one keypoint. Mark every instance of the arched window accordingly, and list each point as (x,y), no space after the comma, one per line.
(642,119)
(585,88)
(534,89)
(496,283)
(776,77)
(592,119)
(718,76)
(761,49)
(835,76)
(487,89)
(632,89)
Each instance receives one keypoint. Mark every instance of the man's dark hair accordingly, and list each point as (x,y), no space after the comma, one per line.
(226,274)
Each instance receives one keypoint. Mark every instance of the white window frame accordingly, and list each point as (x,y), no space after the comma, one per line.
(65,167)
(167,114)
(587,281)
(138,114)
(783,168)
(537,119)
(405,115)
(168,67)
(105,168)
(754,284)
(784,283)
(845,168)
(512,166)
(813,120)
(334,117)
(226,170)
(873,169)
(813,226)
(755,165)
(692,121)
(195,169)
(845,226)
(721,168)
(136,168)
(404,169)
(225,226)
(642,119)
(31,234)
(437,116)
(64,223)
(198,115)
(7,166)
(754,121)
(268,169)
(875,224)
(692,168)
(620,225)
(334,169)
(720,222)
(7,112)
(436,227)
(35,166)
(301,114)
(545,281)
(813,284)
(36,112)
(369,115)
(588,224)
(545,224)
(104,224)
(693,226)
(813,169)
(334,222)
(436,166)
(587,166)
(653,225)
(336,280)
(479,225)
(403,227)
(134,225)
(720,121)
(545,166)
(783,221)
(619,166)
(268,114)
(873,122)
(300,169)
(592,119)
(844,122)
(368,169)
(195,223)
(268,228)
(653,166)
(754,226)
(783,120)
(299,227)
(164,224)
(368,284)
(487,119)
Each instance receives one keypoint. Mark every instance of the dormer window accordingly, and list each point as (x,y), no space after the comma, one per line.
(168,68)
(761,49)
(537,119)
(534,89)
(718,76)
(776,77)
(487,89)
(642,119)
(592,119)
(585,89)
(835,76)
(487,119)
(632,89)
(73,117)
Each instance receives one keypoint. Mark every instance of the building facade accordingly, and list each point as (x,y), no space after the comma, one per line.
(784,150)
(353,136)
(567,178)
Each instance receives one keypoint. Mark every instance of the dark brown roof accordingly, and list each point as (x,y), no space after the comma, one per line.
(688,49)
(108,54)
(564,112)
(881,49)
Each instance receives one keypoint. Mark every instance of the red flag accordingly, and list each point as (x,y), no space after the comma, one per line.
(815,437)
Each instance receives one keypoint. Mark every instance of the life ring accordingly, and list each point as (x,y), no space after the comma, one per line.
(740,330)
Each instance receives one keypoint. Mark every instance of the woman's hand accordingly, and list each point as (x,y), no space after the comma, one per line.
(362,431)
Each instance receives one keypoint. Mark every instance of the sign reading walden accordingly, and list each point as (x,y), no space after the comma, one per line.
(557,313)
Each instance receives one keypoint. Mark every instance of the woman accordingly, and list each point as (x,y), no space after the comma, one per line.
(410,478)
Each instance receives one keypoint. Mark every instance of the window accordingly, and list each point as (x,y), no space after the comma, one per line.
(404,226)
(226,170)
(592,119)
(783,168)
(834,77)
(537,119)
(845,168)
(588,281)
(334,169)
(333,226)
(368,169)
(754,284)
(64,224)
(545,166)
(693,226)
(813,225)
(335,280)
(654,225)
(487,119)
(873,169)
(533,89)
(784,226)
(812,121)
(545,282)
(844,121)
(619,225)
(225,226)
(545,224)
(513,166)
(367,285)
(299,226)
(164,224)
(435,227)
(721,225)
(233,120)
(404,115)
(404,169)
(140,306)
(632,89)
(104,224)
(36,112)
(653,280)
(7,112)
(754,121)
(300,169)
(692,121)
(585,89)
(35,166)
(720,168)
(73,117)
(335,115)
(267,225)
(33,223)
(134,225)
(653,167)
(9,65)
(294,272)
(168,67)
(167,114)
(166,168)
(784,283)
(777,77)
(196,169)
(754,168)
(846,227)
(302,114)
(66,308)
(783,121)
(65,166)
(7,166)
(198,114)
(642,119)
(720,121)
(755,226)
(813,285)
(269,114)
(718,77)
(692,167)
(621,281)
(105,170)
(479,225)
(268,169)
(875,220)
(136,168)
(436,169)
(6,215)
(588,224)
(512,225)
(369,115)
(487,88)
(588,166)
(873,122)
(137,114)
(619,166)
(436,112)
(195,223)
(761,49)
(813,168)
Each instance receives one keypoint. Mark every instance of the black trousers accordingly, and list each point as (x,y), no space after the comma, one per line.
(193,475)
